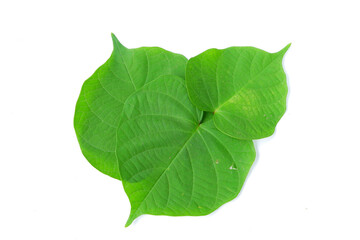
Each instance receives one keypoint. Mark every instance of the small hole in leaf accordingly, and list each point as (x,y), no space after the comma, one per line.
(233,167)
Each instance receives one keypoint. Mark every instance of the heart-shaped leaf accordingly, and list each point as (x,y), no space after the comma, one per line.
(173,161)
(244,87)
(103,95)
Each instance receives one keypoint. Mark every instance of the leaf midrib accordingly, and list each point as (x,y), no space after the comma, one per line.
(133,214)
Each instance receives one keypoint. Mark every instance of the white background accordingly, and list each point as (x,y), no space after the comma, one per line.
(305,183)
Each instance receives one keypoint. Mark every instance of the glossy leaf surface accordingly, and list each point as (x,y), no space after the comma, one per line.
(244,87)
(103,95)
(173,160)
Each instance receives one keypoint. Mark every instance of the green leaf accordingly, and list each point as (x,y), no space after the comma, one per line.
(244,87)
(102,98)
(173,161)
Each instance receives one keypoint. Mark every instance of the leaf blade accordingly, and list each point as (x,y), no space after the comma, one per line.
(100,103)
(182,176)
(250,87)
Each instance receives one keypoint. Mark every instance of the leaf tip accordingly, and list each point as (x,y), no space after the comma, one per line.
(130,220)
(287,46)
(114,38)
(116,42)
(132,217)
(284,50)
